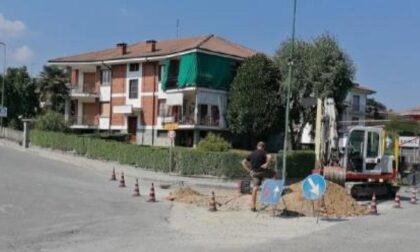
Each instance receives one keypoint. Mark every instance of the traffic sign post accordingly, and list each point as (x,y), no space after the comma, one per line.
(313,188)
(271,192)
(171,135)
(3,111)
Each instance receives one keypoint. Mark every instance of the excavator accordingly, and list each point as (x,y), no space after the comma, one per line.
(363,159)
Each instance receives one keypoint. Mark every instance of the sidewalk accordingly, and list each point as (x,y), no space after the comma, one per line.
(129,171)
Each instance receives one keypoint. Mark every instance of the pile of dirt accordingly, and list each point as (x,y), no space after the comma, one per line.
(237,203)
(336,202)
(189,196)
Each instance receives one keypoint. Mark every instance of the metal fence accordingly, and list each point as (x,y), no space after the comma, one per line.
(11,134)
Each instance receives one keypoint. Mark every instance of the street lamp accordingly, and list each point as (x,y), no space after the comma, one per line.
(289,83)
(4,77)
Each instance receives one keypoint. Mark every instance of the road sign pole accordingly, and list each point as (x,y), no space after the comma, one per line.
(4,77)
(170,155)
(289,81)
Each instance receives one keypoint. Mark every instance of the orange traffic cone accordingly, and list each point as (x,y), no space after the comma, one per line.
(397,202)
(212,204)
(113,176)
(152,197)
(413,199)
(136,188)
(122,181)
(373,208)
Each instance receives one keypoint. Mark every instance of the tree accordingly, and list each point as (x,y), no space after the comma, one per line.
(321,69)
(52,88)
(254,107)
(376,110)
(20,97)
(51,121)
(213,142)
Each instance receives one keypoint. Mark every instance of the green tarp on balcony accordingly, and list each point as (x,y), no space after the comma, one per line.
(201,70)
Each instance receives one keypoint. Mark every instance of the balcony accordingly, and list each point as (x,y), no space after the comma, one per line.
(87,93)
(188,121)
(84,122)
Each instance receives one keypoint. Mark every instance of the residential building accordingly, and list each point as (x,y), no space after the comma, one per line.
(139,88)
(413,113)
(355,106)
(354,113)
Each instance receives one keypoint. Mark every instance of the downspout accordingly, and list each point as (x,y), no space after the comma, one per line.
(154,105)
(110,97)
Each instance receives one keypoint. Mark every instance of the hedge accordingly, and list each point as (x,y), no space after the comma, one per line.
(186,161)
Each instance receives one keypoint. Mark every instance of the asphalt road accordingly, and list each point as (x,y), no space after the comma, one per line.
(48,205)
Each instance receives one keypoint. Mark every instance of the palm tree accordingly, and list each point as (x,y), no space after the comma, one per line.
(52,88)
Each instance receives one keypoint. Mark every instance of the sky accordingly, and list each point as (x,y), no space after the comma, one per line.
(382,37)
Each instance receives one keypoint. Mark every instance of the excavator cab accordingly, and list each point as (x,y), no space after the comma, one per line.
(363,152)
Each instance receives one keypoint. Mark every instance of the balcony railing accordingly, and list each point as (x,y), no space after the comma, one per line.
(209,121)
(85,120)
(83,89)
(189,120)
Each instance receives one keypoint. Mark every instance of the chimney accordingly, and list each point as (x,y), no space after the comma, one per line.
(151,45)
(123,47)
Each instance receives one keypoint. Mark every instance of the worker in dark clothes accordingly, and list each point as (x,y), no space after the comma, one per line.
(257,165)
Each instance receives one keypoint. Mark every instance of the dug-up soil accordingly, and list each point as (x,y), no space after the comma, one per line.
(336,202)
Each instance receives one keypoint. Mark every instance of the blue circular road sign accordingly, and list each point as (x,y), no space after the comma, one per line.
(313,187)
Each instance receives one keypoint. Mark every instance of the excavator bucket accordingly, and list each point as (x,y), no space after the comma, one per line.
(335,174)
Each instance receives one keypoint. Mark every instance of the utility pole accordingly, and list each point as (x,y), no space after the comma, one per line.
(289,83)
(4,77)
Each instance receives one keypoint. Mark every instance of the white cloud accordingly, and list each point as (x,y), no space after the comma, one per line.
(11,27)
(23,55)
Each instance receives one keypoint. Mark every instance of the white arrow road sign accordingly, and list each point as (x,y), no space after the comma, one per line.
(276,190)
(314,188)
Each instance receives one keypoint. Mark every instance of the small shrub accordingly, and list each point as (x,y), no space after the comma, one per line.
(214,142)
(51,121)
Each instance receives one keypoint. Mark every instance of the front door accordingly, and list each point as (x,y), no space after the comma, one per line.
(132,129)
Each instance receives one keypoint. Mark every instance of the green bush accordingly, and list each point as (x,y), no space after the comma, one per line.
(145,157)
(197,162)
(299,163)
(51,121)
(213,142)
(187,162)
(120,137)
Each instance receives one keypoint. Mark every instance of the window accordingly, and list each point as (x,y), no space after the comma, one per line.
(173,73)
(162,108)
(203,114)
(372,145)
(215,115)
(133,89)
(105,77)
(355,120)
(134,67)
(355,150)
(356,103)
(160,71)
